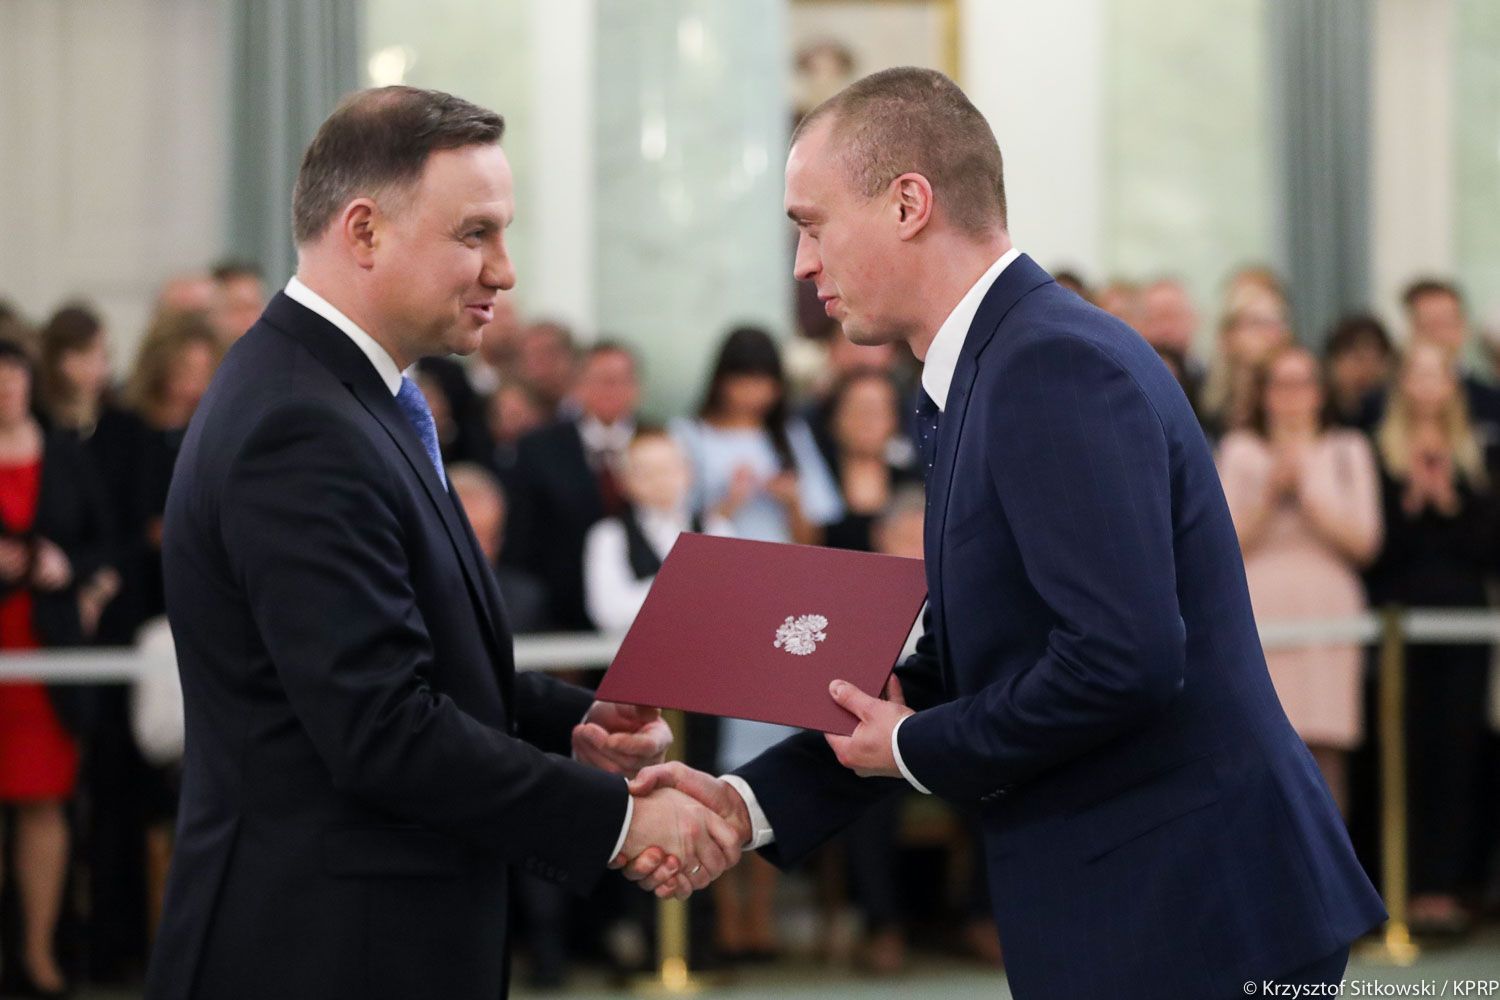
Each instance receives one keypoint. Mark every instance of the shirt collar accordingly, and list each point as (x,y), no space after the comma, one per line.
(385,365)
(942,355)
(652,519)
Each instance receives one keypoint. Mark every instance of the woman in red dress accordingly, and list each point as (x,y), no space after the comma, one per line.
(52,537)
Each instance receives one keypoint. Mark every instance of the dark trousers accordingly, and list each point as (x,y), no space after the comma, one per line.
(871,851)
(1445,700)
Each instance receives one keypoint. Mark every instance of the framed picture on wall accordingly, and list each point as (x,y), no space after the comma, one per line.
(834,42)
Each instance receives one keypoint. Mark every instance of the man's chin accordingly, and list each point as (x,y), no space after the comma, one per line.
(862,336)
(465,341)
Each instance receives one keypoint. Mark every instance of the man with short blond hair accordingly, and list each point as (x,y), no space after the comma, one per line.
(1090,680)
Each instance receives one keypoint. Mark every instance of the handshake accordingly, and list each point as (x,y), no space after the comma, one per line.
(687,827)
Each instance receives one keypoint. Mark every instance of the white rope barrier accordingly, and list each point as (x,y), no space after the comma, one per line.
(568,651)
(1360,630)
(80,666)
(125,663)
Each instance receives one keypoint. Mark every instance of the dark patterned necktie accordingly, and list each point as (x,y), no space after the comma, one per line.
(928,416)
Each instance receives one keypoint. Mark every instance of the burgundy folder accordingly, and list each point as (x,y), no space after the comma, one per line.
(757,630)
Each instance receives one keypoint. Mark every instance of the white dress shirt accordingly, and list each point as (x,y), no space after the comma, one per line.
(390,374)
(937,378)
(943,352)
(612,594)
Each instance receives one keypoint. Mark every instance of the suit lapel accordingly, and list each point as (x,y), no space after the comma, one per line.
(950,428)
(337,352)
(1020,277)
(382,405)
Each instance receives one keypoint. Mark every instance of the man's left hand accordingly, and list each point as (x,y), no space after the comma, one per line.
(868,752)
(621,739)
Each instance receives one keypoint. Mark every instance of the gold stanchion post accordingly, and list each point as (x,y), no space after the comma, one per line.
(673,976)
(1395,946)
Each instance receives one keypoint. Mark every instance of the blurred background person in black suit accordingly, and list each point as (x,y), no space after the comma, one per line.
(239,298)
(547,360)
(567,477)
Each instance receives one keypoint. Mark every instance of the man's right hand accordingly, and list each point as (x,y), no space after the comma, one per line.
(651,871)
(678,839)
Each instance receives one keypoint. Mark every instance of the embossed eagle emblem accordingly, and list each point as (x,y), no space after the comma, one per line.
(800,636)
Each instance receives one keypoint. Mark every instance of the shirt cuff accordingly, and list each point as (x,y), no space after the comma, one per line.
(761,833)
(624,828)
(896,752)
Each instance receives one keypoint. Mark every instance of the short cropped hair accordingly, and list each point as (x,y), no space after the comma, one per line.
(232,269)
(378,140)
(609,345)
(1423,287)
(1355,331)
(910,120)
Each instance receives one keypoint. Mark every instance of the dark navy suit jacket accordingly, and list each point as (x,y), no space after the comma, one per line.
(363,763)
(1091,681)
(555,499)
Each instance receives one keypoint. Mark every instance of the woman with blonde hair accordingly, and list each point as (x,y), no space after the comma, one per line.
(1305,499)
(1253,327)
(1442,530)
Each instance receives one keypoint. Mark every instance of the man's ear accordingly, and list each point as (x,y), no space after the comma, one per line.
(911,200)
(359,228)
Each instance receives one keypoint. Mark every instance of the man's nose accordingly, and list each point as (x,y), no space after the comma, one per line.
(499,272)
(806,265)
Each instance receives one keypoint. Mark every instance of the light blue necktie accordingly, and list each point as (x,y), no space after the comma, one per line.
(414,407)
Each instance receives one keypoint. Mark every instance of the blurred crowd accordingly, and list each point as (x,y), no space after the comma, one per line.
(1359,474)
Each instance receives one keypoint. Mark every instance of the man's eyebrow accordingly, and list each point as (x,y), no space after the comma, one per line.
(482,220)
(800,215)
